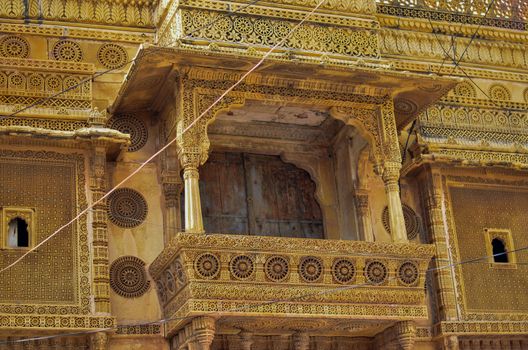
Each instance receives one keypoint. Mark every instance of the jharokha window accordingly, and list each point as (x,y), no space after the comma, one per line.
(17,227)
(254,194)
(500,247)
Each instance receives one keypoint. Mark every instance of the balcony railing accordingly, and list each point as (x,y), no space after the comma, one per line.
(511,14)
(236,276)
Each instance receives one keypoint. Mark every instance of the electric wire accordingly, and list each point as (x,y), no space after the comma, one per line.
(168,144)
(154,50)
(172,141)
(473,36)
(251,306)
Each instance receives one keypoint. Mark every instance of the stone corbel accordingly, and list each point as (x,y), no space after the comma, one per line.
(202,333)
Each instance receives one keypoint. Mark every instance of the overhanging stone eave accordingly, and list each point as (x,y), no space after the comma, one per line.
(412,92)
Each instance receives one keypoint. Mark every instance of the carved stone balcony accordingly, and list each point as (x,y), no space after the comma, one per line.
(248,282)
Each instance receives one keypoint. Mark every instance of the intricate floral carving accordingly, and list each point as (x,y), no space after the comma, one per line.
(135,127)
(277,268)
(128,277)
(376,272)
(310,268)
(408,273)
(242,267)
(413,223)
(343,271)
(127,208)
(67,50)
(112,56)
(14,46)
(499,92)
(267,31)
(207,266)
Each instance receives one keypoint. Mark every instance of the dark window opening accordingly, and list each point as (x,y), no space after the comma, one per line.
(18,234)
(245,193)
(499,251)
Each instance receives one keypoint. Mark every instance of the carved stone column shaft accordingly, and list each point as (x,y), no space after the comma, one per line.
(193,206)
(391,175)
(101,278)
(362,205)
(172,188)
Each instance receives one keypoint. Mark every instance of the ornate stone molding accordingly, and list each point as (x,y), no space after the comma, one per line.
(194,274)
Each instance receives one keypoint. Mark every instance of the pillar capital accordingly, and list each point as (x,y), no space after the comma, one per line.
(202,333)
(99,341)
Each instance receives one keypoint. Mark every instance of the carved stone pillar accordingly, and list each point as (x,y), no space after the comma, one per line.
(301,341)
(391,176)
(193,206)
(99,341)
(444,282)
(101,278)
(362,206)
(405,334)
(203,332)
(172,187)
(245,340)
(390,167)
(451,343)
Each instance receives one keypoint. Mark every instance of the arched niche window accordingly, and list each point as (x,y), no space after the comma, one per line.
(499,245)
(17,228)
(499,251)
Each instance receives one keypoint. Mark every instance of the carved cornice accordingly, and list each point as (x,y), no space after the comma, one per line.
(55,322)
(77,33)
(47,65)
(481,328)
(450,28)
(130,13)
(426,46)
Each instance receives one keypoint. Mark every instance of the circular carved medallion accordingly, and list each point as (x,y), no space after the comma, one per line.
(128,277)
(207,265)
(133,126)
(343,271)
(127,208)
(413,223)
(67,50)
(14,46)
(112,56)
(277,268)
(376,272)
(408,273)
(310,268)
(499,92)
(242,267)
(465,89)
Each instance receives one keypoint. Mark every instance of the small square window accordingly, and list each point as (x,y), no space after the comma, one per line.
(18,228)
(499,245)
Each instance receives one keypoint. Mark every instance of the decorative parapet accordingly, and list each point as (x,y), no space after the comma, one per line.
(24,82)
(350,31)
(510,14)
(130,13)
(295,277)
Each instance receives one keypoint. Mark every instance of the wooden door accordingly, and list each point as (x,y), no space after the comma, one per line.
(260,195)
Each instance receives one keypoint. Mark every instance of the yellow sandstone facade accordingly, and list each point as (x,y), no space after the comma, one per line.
(363,188)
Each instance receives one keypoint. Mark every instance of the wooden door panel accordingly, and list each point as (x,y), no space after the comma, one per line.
(260,195)
(223,194)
